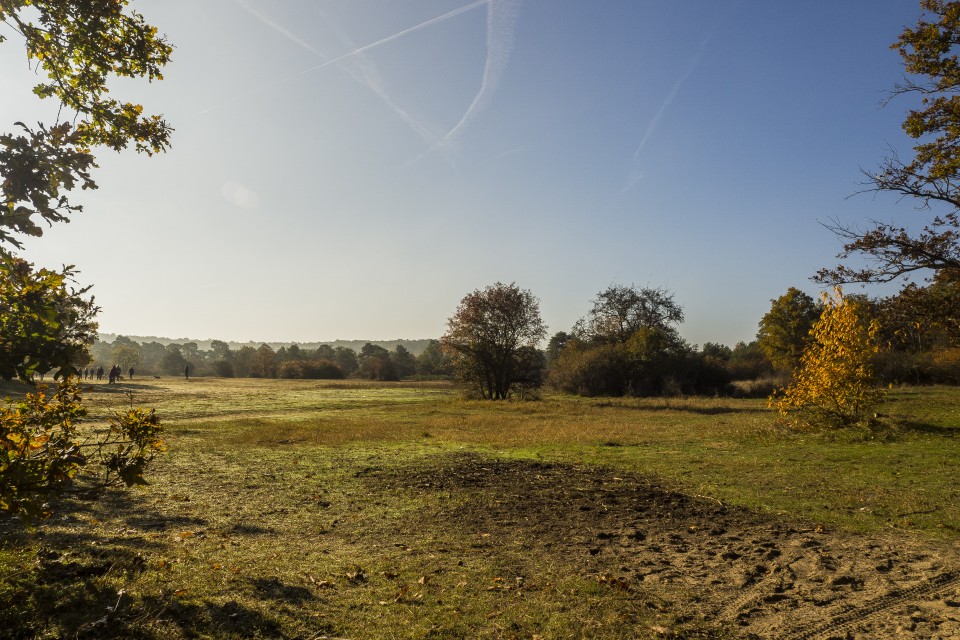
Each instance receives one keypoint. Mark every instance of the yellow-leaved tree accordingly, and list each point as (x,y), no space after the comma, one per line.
(834,385)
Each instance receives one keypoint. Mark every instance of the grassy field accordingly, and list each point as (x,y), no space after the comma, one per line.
(297,509)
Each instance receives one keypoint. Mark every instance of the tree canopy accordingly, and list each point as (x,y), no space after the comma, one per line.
(620,310)
(784,330)
(488,334)
(79,46)
(44,322)
(932,177)
(627,344)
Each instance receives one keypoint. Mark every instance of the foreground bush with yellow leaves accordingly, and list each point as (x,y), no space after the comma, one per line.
(43,450)
(834,385)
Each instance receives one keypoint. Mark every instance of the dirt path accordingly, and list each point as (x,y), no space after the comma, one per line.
(728,570)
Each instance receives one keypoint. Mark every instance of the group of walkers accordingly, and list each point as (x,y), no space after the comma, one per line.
(115,374)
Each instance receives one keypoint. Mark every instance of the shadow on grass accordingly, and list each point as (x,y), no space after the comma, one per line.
(64,579)
(928,429)
(274,589)
(77,606)
(681,407)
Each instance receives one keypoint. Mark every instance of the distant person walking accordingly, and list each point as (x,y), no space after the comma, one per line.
(186,372)
(131,373)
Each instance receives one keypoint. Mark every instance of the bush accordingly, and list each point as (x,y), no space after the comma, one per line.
(756,388)
(223,369)
(834,384)
(590,371)
(42,452)
(652,362)
(310,370)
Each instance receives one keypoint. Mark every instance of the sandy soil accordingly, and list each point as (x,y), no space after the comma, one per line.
(729,570)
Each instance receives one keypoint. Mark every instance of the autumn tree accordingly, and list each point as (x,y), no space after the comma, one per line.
(243,361)
(487,335)
(126,356)
(785,329)
(77,49)
(835,383)
(931,178)
(45,323)
(173,362)
(555,345)
(264,362)
(346,359)
(404,362)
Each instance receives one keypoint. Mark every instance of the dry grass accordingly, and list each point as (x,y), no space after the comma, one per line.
(280,510)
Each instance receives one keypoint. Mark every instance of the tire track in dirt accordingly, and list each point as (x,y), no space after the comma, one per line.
(854,615)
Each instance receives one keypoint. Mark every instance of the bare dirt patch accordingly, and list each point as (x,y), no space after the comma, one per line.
(724,571)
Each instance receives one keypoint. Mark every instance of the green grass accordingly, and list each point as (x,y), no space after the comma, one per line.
(305,510)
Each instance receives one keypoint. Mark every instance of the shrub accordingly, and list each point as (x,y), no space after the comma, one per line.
(310,370)
(43,452)
(835,383)
(223,369)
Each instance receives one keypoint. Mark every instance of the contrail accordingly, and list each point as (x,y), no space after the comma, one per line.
(366,73)
(286,33)
(636,174)
(372,45)
(422,25)
(691,67)
(501,24)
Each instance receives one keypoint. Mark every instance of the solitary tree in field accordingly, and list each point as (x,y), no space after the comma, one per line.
(835,383)
(487,337)
(931,178)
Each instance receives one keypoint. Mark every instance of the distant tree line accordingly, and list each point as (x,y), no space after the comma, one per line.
(373,362)
(628,343)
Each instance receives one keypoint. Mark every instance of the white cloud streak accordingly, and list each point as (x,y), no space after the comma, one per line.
(364,71)
(691,67)
(383,41)
(286,33)
(636,174)
(501,25)
(349,54)
(367,73)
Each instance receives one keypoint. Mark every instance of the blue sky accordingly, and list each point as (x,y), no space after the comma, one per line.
(350,169)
